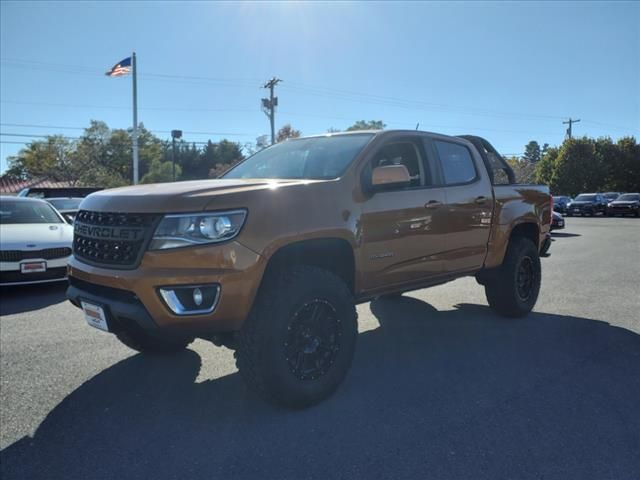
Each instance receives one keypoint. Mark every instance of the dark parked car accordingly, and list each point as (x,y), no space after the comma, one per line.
(560,203)
(625,204)
(587,204)
(557,221)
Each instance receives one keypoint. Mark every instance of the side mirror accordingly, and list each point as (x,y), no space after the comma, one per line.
(390,176)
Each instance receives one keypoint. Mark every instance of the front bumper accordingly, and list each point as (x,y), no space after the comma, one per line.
(622,210)
(133,295)
(10,273)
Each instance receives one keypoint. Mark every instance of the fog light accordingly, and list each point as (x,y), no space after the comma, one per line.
(197,296)
(190,300)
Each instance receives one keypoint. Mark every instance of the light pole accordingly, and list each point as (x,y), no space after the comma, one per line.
(174,134)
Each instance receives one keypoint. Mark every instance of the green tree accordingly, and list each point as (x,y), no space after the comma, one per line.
(287,131)
(532,152)
(578,168)
(524,171)
(367,125)
(545,167)
(624,174)
(52,158)
(160,172)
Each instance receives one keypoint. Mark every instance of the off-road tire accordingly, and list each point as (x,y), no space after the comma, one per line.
(264,342)
(144,342)
(502,289)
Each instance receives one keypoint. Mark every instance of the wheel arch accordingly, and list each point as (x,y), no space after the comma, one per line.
(334,254)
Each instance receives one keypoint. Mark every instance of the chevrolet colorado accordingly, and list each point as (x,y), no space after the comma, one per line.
(271,259)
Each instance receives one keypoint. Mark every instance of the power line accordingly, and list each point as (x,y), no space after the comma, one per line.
(310,90)
(26,125)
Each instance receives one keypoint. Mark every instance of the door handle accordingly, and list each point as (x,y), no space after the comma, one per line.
(480,200)
(432,204)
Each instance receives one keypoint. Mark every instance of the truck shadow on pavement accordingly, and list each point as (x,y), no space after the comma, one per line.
(454,394)
(26,298)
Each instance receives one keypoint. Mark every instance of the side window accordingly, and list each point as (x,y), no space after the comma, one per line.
(402,153)
(456,161)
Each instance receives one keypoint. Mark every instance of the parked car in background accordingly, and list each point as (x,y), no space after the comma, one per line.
(560,203)
(68,207)
(611,196)
(557,221)
(57,192)
(587,204)
(35,242)
(625,204)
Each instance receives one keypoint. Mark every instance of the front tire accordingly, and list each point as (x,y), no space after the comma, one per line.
(513,289)
(297,344)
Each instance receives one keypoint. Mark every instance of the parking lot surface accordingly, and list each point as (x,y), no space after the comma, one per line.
(441,387)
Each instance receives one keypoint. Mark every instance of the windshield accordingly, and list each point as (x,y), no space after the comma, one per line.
(65,203)
(12,212)
(585,198)
(629,197)
(321,158)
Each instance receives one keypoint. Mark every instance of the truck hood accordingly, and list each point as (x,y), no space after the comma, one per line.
(191,196)
(36,235)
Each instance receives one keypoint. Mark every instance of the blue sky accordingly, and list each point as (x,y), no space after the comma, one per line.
(508,71)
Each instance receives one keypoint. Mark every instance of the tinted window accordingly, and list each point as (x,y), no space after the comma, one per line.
(65,203)
(628,197)
(402,153)
(305,158)
(585,198)
(27,212)
(457,164)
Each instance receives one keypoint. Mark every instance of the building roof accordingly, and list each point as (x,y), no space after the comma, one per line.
(11,186)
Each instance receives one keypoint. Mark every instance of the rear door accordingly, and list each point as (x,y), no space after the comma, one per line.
(469,204)
(399,227)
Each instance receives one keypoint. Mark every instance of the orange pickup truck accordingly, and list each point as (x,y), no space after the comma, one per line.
(272,258)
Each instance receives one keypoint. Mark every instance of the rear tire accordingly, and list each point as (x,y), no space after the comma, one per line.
(297,344)
(513,288)
(143,342)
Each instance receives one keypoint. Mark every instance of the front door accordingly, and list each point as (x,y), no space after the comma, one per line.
(398,229)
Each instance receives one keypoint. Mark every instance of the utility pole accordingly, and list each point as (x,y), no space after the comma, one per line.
(174,134)
(570,122)
(269,106)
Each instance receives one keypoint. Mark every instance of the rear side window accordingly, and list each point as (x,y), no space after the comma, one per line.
(456,161)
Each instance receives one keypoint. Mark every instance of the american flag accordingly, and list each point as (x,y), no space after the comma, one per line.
(121,68)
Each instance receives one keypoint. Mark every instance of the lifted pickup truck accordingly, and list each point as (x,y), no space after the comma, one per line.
(271,259)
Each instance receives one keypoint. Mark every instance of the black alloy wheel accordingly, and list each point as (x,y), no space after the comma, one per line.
(313,340)
(525,278)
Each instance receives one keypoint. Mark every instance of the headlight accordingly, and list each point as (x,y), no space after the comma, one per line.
(183,230)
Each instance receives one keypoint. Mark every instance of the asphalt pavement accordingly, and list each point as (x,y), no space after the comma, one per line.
(441,388)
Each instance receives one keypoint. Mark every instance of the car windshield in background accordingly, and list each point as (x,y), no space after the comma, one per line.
(585,198)
(629,197)
(12,212)
(316,158)
(65,203)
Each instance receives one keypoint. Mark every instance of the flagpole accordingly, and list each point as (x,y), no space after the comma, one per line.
(134,71)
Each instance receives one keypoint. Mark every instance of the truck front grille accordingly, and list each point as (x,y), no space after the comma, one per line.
(112,238)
